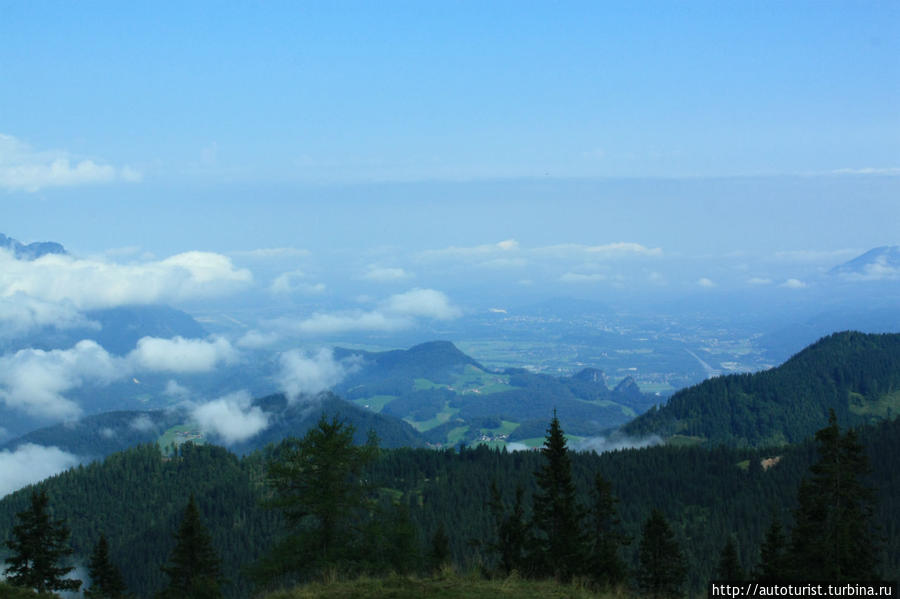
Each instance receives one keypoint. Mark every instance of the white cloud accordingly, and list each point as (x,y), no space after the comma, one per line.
(34,380)
(759,281)
(794,284)
(232,417)
(577,277)
(182,355)
(427,303)
(23,168)
(254,339)
(307,374)
(621,249)
(705,282)
(869,170)
(395,313)
(31,463)
(20,313)
(813,256)
(142,423)
(615,443)
(173,389)
(293,282)
(322,324)
(88,284)
(386,275)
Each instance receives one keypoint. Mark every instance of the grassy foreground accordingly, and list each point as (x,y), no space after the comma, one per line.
(7,591)
(443,587)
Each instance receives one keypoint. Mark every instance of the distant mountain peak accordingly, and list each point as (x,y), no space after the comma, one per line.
(31,251)
(591,375)
(876,264)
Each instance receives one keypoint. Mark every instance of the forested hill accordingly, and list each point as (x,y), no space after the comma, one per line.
(136,499)
(451,398)
(856,374)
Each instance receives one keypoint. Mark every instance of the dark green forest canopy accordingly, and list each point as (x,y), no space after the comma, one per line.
(855,374)
(136,498)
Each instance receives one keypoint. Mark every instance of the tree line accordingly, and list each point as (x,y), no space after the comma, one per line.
(331,505)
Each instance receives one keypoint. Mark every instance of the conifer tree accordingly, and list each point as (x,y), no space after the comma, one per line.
(773,564)
(662,568)
(317,484)
(559,545)
(38,544)
(106,579)
(439,554)
(605,566)
(194,567)
(512,533)
(833,535)
(729,567)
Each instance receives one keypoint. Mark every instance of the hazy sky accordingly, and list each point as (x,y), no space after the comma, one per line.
(374,136)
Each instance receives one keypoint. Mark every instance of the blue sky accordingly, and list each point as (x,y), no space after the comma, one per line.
(368,133)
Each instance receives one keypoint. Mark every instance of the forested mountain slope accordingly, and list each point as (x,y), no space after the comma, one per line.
(136,498)
(451,398)
(856,374)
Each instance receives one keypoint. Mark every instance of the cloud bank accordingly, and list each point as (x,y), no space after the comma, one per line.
(90,284)
(232,418)
(182,355)
(307,374)
(23,168)
(31,463)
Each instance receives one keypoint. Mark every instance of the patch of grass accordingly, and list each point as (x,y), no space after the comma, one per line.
(423,384)
(743,465)
(180,433)
(456,435)
(375,403)
(475,380)
(443,416)
(684,441)
(8,591)
(450,586)
(886,406)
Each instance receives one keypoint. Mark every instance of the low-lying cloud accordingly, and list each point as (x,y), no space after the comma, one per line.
(30,463)
(232,418)
(182,355)
(615,442)
(303,373)
(34,380)
(398,312)
(23,168)
(92,283)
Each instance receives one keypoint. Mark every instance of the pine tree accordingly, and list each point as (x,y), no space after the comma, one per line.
(773,564)
(512,533)
(729,567)
(439,554)
(662,568)
(605,566)
(559,545)
(106,579)
(38,544)
(317,484)
(194,567)
(834,533)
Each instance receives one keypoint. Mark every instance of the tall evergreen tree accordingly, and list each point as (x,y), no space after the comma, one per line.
(559,541)
(773,565)
(512,532)
(439,553)
(194,568)
(729,567)
(605,566)
(317,484)
(106,579)
(38,544)
(834,534)
(662,569)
